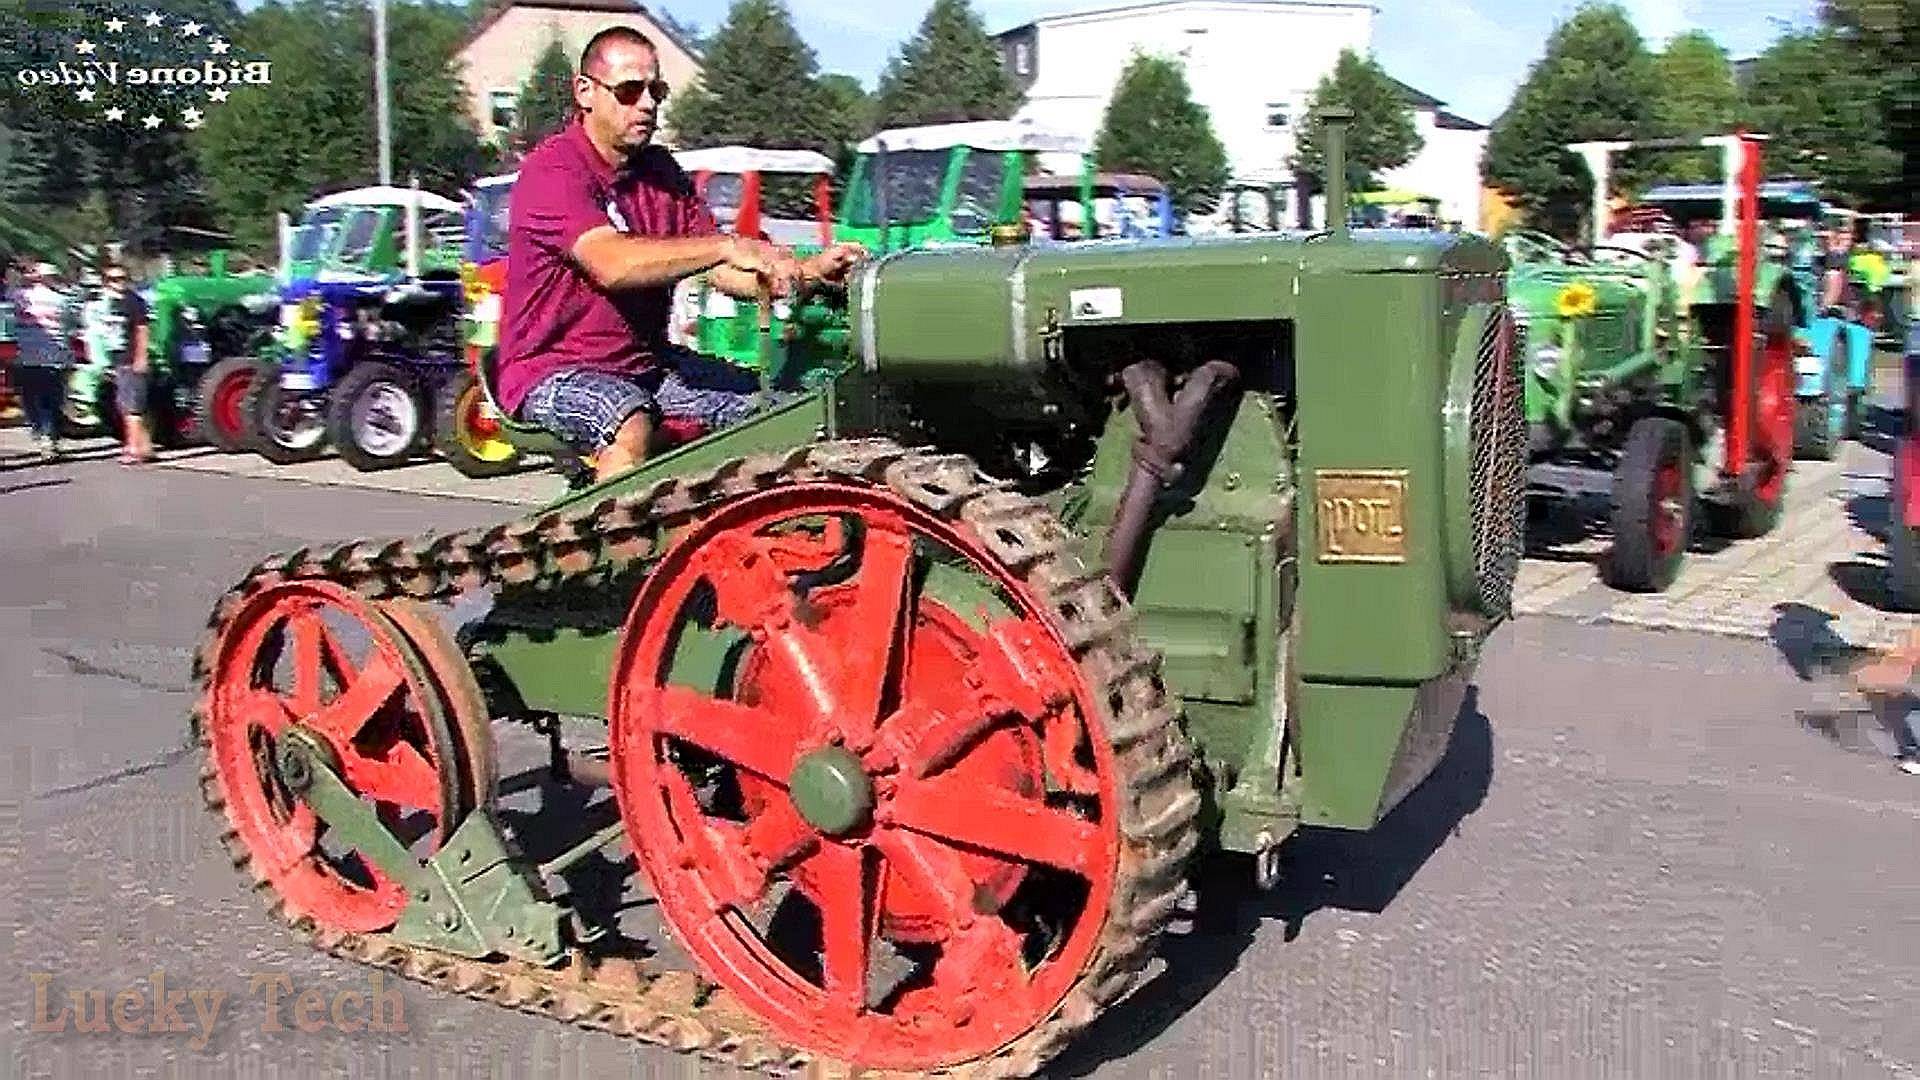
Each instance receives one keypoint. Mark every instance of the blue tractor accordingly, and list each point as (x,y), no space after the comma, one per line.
(365,341)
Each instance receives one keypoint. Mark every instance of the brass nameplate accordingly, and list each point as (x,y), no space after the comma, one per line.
(1363,515)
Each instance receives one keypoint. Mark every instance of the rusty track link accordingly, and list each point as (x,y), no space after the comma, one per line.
(677,1009)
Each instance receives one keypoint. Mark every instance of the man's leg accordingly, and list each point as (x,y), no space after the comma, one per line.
(130,392)
(628,448)
(603,414)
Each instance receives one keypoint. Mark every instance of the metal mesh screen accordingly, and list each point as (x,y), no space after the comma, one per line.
(1498,471)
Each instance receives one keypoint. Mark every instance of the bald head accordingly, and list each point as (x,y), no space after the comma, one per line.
(612,45)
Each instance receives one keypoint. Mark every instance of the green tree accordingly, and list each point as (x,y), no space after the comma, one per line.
(109,180)
(949,71)
(1697,97)
(272,148)
(545,104)
(1382,136)
(1810,93)
(1883,37)
(1595,81)
(760,86)
(1154,126)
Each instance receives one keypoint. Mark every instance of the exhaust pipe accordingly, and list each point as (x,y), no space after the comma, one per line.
(1334,143)
(1166,433)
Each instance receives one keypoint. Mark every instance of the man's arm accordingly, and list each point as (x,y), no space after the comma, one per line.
(616,261)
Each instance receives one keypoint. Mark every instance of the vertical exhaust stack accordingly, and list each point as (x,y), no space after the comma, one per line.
(1334,141)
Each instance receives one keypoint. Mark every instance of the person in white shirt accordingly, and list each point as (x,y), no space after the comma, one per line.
(43,321)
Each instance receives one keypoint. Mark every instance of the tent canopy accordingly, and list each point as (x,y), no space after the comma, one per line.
(387,195)
(744,159)
(991,135)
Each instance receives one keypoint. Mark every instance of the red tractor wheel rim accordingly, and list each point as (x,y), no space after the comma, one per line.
(473,417)
(1669,510)
(1774,393)
(951,726)
(227,396)
(274,669)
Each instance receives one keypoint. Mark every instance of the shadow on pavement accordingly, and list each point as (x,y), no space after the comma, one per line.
(1807,641)
(1559,523)
(1321,869)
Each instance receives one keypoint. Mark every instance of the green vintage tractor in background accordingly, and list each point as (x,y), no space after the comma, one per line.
(1666,402)
(918,695)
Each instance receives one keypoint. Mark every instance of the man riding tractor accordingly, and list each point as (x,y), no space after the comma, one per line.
(603,223)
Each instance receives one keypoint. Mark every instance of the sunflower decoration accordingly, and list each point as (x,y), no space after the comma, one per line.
(1576,301)
(470,283)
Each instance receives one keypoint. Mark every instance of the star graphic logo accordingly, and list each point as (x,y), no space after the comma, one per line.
(116,114)
(150,121)
(154,18)
(218,47)
(192,117)
(115,26)
(191,29)
(86,95)
(85,48)
(218,95)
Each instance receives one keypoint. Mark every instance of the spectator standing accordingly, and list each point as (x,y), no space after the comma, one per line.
(123,332)
(43,323)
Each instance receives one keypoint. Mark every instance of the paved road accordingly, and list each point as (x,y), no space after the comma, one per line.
(1633,862)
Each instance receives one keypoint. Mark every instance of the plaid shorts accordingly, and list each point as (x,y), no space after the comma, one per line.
(587,408)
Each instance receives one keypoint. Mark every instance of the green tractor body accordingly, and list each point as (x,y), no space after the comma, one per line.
(1082,561)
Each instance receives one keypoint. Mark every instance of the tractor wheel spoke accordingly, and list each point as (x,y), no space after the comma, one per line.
(757,740)
(365,696)
(882,613)
(985,958)
(846,885)
(400,776)
(265,710)
(999,821)
(778,836)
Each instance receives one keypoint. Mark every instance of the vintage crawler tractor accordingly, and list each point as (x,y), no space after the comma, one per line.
(921,692)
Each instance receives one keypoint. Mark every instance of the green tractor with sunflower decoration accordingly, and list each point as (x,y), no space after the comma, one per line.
(1637,388)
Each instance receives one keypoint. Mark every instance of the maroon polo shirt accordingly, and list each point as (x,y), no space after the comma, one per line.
(554,317)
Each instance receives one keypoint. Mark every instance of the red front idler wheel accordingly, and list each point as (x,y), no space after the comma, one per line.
(313,656)
(865,776)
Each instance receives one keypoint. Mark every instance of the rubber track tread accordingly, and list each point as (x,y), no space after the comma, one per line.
(1158,803)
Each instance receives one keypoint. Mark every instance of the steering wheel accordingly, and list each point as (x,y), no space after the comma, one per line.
(1540,247)
(1636,252)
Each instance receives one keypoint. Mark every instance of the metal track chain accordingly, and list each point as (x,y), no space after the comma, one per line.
(678,1009)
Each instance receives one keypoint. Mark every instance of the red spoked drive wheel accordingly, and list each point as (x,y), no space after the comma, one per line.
(317,656)
(861,770)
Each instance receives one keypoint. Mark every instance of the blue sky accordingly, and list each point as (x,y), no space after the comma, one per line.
(1469,53)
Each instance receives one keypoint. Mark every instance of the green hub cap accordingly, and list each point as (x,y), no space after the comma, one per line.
(831,790)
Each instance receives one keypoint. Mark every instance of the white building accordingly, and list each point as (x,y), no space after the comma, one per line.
(1252,64)
(1447,166)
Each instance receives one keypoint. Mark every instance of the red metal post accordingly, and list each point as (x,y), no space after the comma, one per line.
(748,222)
(1738,434)
(823,207)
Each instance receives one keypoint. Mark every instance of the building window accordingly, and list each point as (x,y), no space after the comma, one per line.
(500,107)
(1022,58)
(1279,115)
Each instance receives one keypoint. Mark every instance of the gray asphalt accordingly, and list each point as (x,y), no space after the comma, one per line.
(1633,861)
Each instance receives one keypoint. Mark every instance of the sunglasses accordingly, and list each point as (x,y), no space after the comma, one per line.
(628,93)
